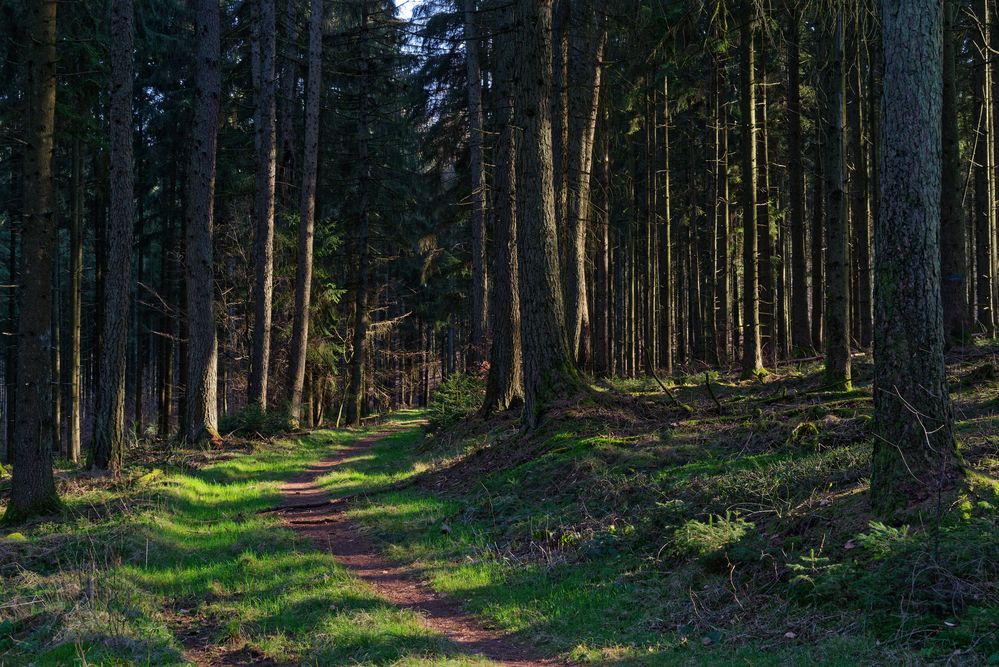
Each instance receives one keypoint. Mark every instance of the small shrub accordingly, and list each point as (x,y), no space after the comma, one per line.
(882,539)
(251,420)
(456,399)
(699,538)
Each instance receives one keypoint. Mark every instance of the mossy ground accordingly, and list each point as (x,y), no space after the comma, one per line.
(625,532)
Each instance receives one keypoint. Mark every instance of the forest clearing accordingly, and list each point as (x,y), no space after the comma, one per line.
(529,333)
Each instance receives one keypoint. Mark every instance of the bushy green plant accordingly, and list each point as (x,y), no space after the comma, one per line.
(456,399)
(705,538)
(251,420)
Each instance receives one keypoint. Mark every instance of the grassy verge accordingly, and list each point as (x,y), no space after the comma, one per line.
(137,566)
(643,536)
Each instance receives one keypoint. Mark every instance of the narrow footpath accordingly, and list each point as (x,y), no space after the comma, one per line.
(311,512)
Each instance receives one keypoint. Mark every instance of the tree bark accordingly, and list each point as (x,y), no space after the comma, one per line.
(752,353)
(548,365)
(504,385)
(109,432)
(588,35)
(306,222)
(201,416)
(915,453)
(837,324)
(32,489)
(984,192)
(263,245)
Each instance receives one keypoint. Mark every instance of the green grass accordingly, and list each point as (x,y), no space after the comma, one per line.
(192,551)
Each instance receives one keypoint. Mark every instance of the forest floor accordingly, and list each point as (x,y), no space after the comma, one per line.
(627,531)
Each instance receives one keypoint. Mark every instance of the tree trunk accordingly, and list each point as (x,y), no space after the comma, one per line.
(915,452)
(32,489)
(306,222)
(263,244)
(752,353)
(588,35)
(837,324)
(665,233)
(801,335)
(504,386)
(984,209)
(201,416)
(355,385)
(548,364)
(75,303)
(480,288)
(109,433)
(953,241)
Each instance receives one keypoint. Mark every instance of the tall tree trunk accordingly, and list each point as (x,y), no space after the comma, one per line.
(588,35)
(355,384)
(548,364)
(32,489)
(915,452)
(109,433)
(860,213)
(56,381)
(263,244)
(665,233)
(287,107)
(201,416)
(765,242)
(306,222)
(818,238)
(801,335)
(984,208)
(602,364)
(953,241)
(752,353)
(837,324)
(504,386)
(75,303)
(480,288)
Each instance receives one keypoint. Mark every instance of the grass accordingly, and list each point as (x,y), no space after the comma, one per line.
(188,553)
(623,533)
(718,539)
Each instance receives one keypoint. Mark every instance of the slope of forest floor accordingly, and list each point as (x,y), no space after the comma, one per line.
(628,531)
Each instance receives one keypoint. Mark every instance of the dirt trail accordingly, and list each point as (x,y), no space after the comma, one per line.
(308,510)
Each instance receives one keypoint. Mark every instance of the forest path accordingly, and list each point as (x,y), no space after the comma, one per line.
(312,512)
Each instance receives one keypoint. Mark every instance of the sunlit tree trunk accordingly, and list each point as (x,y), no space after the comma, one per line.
(801,335)
(263,244)
(752,353)
(306,222)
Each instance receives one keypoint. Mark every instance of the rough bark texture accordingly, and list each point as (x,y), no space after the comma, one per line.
(32,489)
(752,352)
(915,455)
(109,428)
(202,348)
(307,214)
(953,236)
(665,233)
(818,242)
(588,35)
(504,386)
(480,287)
(263,245)
(548,366)
(837,324)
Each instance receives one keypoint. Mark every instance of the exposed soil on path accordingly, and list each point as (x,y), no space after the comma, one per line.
(310,511)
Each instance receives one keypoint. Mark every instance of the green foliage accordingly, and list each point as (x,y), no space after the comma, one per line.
(251,421)
(708,538)
(458,397)
(881,540)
